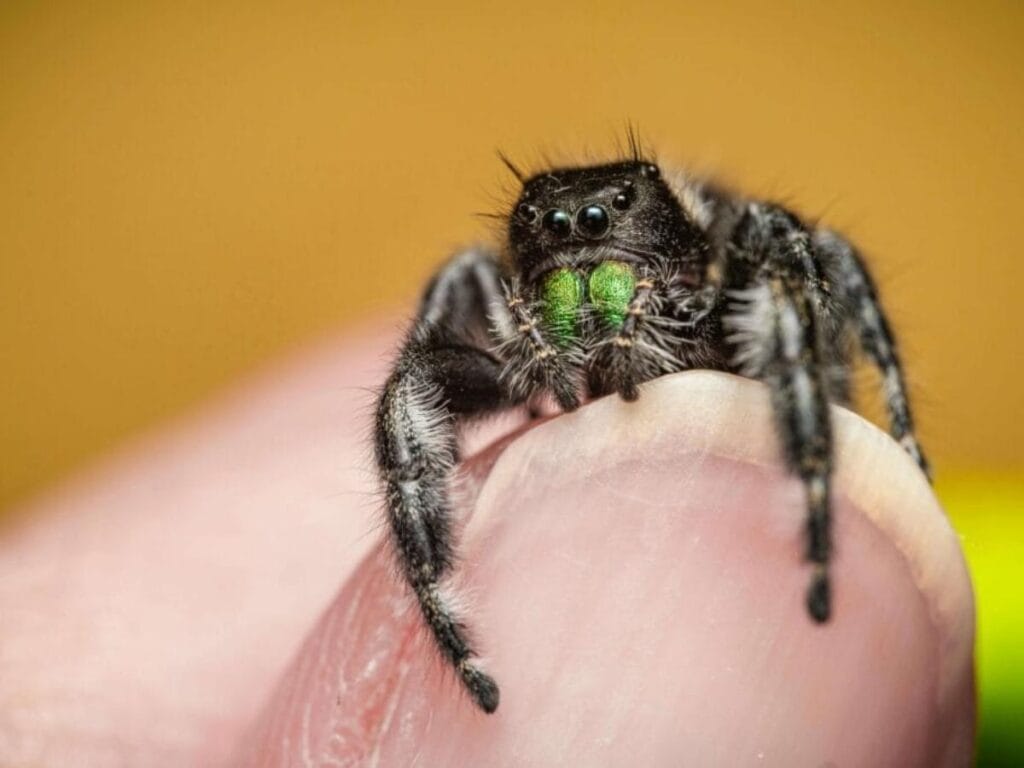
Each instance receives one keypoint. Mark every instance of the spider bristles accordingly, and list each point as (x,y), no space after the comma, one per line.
(749,324)
(512,167)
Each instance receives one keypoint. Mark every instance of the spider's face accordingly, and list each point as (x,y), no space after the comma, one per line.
(577,217)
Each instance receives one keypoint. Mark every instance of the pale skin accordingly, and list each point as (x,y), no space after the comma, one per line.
(218,594)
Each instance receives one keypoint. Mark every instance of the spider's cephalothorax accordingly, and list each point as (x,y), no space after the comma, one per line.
(609,276)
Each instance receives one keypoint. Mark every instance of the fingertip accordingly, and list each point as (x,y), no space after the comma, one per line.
(634,608)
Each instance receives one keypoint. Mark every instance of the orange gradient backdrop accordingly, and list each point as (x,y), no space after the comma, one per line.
(190,188)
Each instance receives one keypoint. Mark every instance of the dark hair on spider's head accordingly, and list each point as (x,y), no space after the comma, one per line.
(622,207)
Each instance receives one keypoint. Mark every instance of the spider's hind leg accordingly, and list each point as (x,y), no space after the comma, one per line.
(777,338)
(443,374)
(875,335)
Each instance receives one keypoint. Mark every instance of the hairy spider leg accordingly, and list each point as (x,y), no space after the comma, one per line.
(534,362)
(643,346)
(441,377)
(618,362)
(777,338)
(876,339)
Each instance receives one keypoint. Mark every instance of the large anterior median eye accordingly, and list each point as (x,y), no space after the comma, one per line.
(563,293)
(592,220)
(557,223)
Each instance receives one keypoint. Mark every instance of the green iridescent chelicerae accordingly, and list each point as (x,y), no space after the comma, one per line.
(611,286)
(563,294)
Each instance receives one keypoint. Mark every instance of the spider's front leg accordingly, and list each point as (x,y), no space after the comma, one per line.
(777,338)
(443,374)
(643,343)
(536,364)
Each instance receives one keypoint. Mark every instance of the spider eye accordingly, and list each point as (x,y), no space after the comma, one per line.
(592,220)
(623,199)
(650,171)
(558,223)
(527,213)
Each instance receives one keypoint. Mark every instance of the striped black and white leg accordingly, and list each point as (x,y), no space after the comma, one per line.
(776,334)
(442,375)
(534,364)
(876,338)
(643,347)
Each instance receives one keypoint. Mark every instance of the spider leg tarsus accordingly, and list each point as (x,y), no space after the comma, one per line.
(481,687)
(819,595)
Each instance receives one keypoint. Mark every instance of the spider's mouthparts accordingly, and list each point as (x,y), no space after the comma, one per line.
(608,288)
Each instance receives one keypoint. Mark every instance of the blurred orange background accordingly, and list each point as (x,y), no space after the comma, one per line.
(191,188)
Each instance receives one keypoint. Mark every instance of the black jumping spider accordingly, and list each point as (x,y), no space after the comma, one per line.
(611,275)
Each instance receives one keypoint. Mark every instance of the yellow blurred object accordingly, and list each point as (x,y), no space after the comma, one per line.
(988,512)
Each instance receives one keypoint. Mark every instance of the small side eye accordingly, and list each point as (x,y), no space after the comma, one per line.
(527,213)
(624,199)
(650,171)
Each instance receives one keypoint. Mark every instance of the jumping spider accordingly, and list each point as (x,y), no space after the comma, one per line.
(611,275)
